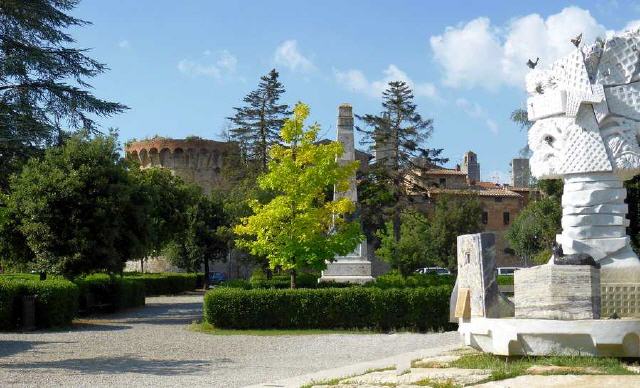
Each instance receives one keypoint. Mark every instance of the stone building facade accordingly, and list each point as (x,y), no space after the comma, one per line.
(196,160)
(500,204)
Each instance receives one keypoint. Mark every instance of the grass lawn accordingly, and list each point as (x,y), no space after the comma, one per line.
(202,327)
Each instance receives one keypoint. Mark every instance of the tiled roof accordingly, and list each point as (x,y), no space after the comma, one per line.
(480,193)
(443,171)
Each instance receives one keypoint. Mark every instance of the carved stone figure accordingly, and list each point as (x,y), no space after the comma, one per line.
(586,109)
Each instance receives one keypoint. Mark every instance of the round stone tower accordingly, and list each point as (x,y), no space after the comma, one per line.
(194,160)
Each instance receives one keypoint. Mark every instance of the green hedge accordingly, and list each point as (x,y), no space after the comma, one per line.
(104,293)
(56,302)
(166,283)
(303,280)
(395,280)
(418,309)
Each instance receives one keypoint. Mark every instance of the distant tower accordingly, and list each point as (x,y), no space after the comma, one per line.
(520,173)
(471,167)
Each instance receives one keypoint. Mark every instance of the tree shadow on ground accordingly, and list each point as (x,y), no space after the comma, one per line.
(123,364)
(10,347)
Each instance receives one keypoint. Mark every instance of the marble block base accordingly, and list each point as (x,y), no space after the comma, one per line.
(562,292)
(347,271)
(542,337)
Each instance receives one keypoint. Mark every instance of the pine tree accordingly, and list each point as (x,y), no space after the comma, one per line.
(43,87)
(257,124)
(398,137)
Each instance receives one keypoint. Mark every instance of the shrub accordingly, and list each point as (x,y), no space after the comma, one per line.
(101,292)
(303,280)
(56,302)
(395,280)
(505,280)
(417,308)
(166,283)
(236,283)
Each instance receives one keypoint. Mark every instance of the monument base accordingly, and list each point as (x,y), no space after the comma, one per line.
(347,271)
(542,337)
(557,292)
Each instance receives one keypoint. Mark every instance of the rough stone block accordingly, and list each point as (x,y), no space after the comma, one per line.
(563,292)
(477,273)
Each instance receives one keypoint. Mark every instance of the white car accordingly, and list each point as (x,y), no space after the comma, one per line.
(434,270)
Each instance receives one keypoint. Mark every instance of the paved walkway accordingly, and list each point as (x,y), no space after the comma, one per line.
(151,346)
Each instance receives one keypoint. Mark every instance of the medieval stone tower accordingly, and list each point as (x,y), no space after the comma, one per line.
(471,167)
(195,160)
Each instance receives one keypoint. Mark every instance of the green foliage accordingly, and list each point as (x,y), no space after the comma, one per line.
(256,124)
(418,309)
(43,80)
(205,235)
(303,280)
(411,251)
(68,211)
(56,301)
(395,280)
(166,283)
(535,228)
(300,228)
(109,293)
(506,280)
(551,188)
(401,133)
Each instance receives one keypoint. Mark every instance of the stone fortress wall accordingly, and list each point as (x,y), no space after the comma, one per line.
(198,161)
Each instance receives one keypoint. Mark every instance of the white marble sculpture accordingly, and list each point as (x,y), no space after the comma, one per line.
(586,109)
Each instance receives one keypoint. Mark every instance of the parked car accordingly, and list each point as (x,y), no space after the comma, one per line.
(217,277)
(506,270)
(433,270)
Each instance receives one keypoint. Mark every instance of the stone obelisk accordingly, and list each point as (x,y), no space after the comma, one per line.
(353,268)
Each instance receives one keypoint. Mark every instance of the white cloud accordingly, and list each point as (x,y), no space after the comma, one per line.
(356,81)
(224,65)
(481,54)
(288,55)
(124,44)
(475,111)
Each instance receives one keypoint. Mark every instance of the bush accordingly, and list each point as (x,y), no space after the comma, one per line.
(56,302)
(303,280)
(166,283)
(395,280)
(418,308)
(505,280)
(101,292)
(236,283)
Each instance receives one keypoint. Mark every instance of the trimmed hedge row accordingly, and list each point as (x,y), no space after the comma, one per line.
(104,293)
(419,309)
(56,302)
(303,280)
(166,283)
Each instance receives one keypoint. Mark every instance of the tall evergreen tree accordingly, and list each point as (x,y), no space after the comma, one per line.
(43,87)
(398,138)
(257,124)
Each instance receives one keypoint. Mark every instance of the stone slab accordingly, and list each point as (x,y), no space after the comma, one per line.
(348,268)
(563,381)
(541,337)
(557,292)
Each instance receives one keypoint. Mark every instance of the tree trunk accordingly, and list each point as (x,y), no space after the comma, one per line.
(293,278)
(396,224)
(142,265)
(205,282)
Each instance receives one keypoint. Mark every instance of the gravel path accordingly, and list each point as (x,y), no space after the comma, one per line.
(151,346)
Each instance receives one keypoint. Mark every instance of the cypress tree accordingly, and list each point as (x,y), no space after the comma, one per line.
(257,124)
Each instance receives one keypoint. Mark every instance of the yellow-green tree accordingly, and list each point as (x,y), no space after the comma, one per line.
(302,227)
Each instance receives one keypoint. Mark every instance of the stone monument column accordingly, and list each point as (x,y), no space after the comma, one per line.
(355,267)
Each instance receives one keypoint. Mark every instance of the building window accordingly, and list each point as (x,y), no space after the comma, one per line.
(443,182)
(485,217)
(505,218)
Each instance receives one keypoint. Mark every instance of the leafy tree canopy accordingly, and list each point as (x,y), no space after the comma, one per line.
(300,227)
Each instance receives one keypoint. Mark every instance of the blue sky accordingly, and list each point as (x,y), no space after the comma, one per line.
(182,66)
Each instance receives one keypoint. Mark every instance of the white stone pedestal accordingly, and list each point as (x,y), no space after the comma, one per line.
(541,337)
